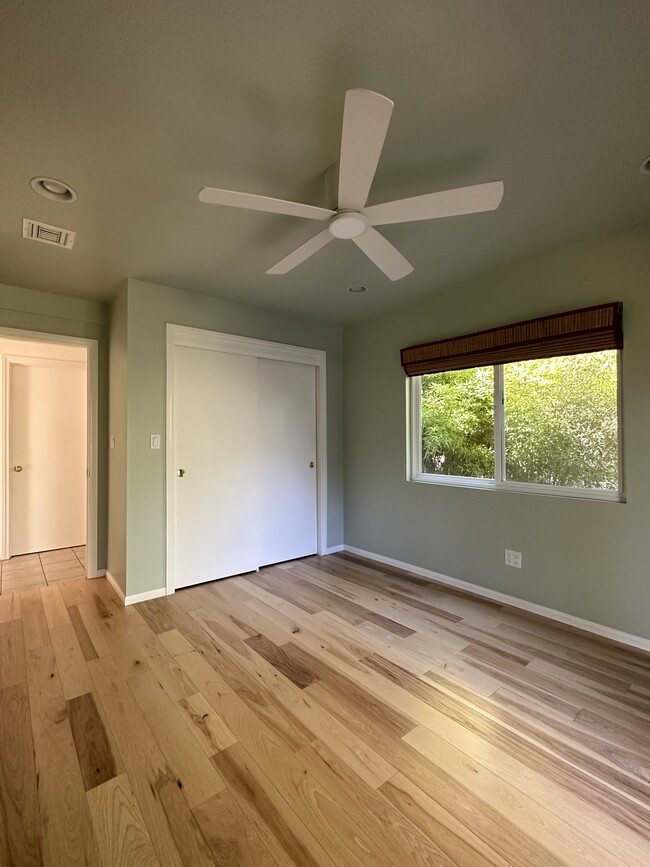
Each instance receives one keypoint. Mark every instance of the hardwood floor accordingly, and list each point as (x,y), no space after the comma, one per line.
(323,712)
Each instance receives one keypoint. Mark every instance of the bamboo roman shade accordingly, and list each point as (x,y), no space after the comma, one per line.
(588,330)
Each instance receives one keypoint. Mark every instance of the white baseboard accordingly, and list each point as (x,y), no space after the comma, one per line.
(335,549)
(111,580)
(607,632)
(143,597)
(135,597)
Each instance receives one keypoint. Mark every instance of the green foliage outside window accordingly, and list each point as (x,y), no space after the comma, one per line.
(560,415)
(561,421)
(458,423)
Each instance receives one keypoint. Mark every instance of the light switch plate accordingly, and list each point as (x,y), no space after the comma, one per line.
(112,441)
(155,441)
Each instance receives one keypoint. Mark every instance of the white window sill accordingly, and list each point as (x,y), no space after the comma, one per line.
(519,488)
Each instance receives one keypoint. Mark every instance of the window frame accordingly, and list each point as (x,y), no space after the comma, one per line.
(500,483)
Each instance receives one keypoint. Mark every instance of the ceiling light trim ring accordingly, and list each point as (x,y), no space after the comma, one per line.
(53,189)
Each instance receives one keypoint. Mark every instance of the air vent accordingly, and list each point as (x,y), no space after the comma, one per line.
(36,231)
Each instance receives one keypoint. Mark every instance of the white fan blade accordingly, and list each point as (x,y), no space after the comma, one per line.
(365,123)
(449,203)
(313,245)
(386,257)
(212,196)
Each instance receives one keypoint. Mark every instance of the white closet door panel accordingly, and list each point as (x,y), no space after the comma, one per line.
(47,439)
(215,430)
(286,446)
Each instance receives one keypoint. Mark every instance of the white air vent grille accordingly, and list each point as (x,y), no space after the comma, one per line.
(36,231)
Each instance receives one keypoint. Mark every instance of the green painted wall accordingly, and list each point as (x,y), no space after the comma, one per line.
(590,559)
(150,308)
(56,314)
(117,428)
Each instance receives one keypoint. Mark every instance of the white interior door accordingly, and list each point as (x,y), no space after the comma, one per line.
(47,433)
(287,486)
(215,430)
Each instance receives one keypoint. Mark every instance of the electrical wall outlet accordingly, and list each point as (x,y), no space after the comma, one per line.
(513,558)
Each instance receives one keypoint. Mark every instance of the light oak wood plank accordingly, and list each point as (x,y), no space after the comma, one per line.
(20,837)
(35,628)
(454,838)
(232,838)
(65,819)
(161,662)
(155,617)
(495,829)
(120,831)
(93,624)
(84,640)
(240,667)
(172,829)
(591,822)
(56,612)
(195,774)
(175,642)
(71,665)
(12,654)
(73,592)
(315,806)
(207,726)
(551,832)
(276,656)
(376,819)
(289,841)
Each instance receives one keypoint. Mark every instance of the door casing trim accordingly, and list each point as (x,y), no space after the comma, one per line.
(198,338)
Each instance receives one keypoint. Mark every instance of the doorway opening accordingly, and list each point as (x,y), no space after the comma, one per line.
(48,423)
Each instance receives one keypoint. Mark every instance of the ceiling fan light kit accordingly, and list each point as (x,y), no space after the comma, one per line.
(366,117)
(348,225)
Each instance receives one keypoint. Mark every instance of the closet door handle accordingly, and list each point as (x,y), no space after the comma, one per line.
(180,473)
(18,469)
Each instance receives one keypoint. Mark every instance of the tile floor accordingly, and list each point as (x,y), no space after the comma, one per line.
(38,570)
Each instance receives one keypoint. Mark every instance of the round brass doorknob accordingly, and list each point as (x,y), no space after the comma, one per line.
(311,465)
(18,469)
(180,473)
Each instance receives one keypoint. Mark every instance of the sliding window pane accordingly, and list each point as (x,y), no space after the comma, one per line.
(561,421)
(457,413)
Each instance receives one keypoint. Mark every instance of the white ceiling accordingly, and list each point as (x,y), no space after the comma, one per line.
(138,105)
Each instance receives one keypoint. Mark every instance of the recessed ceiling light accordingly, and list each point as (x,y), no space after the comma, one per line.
(644,168)
(357,290)
(52,189)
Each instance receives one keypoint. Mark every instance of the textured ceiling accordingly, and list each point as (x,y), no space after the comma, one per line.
(139,104)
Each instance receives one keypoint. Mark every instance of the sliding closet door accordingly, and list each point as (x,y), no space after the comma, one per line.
(215,443)
(286,460)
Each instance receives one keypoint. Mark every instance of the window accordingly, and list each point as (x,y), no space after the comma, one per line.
(542,425)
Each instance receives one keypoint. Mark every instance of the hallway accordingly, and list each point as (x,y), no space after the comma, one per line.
(39,570)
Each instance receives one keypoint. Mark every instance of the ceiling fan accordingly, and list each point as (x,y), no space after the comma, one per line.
(366,116)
